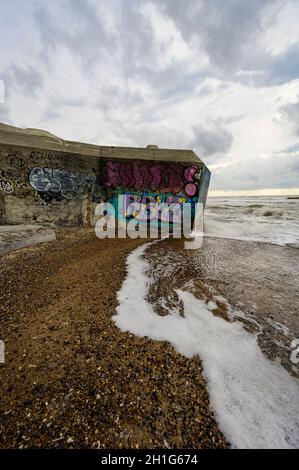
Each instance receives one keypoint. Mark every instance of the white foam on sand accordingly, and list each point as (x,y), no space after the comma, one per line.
(255,401)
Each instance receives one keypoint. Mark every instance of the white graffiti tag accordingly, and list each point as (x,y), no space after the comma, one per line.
(66,183)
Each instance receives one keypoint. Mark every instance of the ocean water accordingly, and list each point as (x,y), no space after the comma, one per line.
(263,219)
(254,399)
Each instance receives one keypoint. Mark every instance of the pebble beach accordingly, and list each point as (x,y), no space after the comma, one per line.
(119,343)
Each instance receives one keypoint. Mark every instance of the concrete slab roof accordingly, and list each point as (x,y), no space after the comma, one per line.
(43,140)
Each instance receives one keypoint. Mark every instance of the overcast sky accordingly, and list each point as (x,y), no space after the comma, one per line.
(220,77)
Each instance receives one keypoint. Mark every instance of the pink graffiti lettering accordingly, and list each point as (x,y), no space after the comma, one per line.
(126,175)
(189,173)
(173,180)
(190,189)
(156,172)
(139,175)
(111,176)
(146,175)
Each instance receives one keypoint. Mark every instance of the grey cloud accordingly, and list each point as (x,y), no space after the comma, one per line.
(74,102)
(139,57)
(228,32)
(112,98)
(207,142)
(131,48)
(229,35)
(291,149)
(225,31)
(258,173)
(285,67)
(27,79)
(50,114)
(295,167)
(87,40)
(211,141)
(291,112)
(4,114)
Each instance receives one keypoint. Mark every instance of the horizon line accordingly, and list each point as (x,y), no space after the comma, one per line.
(254,192)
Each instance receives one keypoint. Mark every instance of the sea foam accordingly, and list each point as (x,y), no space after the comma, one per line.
(255,401)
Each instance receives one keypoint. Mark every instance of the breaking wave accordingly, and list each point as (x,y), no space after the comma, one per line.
(269,220)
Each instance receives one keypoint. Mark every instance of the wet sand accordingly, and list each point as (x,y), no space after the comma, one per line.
(258,279)
(71,377)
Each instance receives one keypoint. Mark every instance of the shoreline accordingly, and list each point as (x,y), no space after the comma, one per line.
(257,279)
(73,379)
(246,352)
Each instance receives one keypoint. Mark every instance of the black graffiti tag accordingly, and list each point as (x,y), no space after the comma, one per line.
(6,186)
(15,160)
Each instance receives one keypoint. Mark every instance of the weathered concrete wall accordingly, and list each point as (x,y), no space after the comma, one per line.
(42,186)
(45,179)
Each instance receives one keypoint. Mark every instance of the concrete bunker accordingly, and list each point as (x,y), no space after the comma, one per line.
(45,179)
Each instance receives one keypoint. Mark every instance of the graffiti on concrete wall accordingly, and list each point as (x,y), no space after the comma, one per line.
(42,156)
(15,160)
(12,177)
(137,175)
(11,173)
(47,159)
(41,171)
(52,184)
(144,207)
(6,186)
(57,161)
